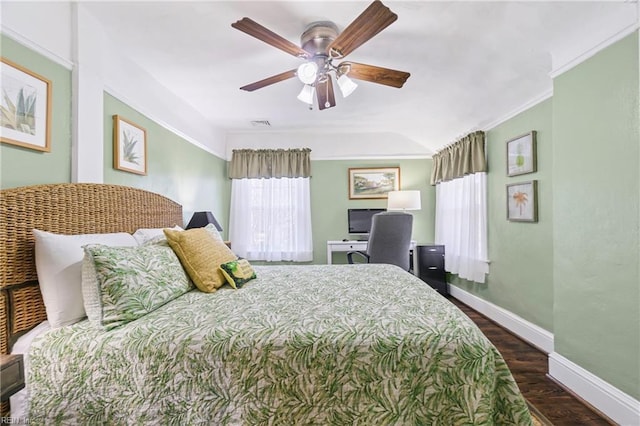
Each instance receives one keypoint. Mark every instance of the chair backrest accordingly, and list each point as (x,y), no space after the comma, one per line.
(390,238)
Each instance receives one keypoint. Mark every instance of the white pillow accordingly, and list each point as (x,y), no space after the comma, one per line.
(59,267)
(144,235)
(214,232)
(156,235)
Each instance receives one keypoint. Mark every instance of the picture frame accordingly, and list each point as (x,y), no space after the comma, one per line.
(522,201)
(25,107)
(373,182)
(129,146)
(521,154)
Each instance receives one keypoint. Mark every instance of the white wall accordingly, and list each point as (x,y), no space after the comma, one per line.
(42,26)
(69,35)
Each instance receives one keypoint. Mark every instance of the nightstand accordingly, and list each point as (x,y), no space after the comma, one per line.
(11,375)
(431,267)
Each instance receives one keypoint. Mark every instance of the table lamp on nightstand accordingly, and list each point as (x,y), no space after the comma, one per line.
(202,219)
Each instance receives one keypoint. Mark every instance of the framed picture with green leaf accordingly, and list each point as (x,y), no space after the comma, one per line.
(129,146)
(521,154)
(25,107)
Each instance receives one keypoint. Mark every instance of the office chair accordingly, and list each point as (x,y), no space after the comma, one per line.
(389,240)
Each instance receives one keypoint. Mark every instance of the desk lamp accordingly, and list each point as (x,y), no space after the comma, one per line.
(404,200)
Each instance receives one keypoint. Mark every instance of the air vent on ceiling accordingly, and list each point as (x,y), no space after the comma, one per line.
(261,123)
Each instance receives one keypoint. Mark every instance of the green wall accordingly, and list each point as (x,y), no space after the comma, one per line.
(23,166)
(596,215)
(175,167)
(330,200)
(521,271)
(576,271)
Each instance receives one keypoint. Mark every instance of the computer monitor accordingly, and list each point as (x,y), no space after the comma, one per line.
(359,220)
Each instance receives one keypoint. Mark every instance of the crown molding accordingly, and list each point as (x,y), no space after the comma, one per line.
(372,157)
(160,122)
(528,105)
(19,38)
(581,57)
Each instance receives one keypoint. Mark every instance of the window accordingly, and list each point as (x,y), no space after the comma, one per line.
(271,219)
(461,225)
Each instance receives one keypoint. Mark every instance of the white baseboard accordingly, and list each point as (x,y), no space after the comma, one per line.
(610,401)
(531,333)
(617,405)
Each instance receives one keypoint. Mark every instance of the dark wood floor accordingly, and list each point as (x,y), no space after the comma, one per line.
(529,367)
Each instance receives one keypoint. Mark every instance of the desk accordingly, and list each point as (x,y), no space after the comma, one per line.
(356,245)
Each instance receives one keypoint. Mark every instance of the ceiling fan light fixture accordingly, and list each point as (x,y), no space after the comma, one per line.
(347,86)
(308,72)
(306,94)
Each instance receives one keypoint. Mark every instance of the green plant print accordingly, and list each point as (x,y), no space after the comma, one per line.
(520,157)
(128,148)
(21,114)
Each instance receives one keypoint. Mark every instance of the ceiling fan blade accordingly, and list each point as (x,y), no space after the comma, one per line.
(374,19)
(256,30)
(386,76)
(269,81)
(325,95)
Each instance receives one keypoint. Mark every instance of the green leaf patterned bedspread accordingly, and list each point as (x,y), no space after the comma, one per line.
(317,345)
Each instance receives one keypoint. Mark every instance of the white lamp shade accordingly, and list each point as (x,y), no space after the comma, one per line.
(403,200)
(307,72)
(306,94)
(347,86)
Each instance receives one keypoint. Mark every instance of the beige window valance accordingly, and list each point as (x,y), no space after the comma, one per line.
(463,157)
(270,163)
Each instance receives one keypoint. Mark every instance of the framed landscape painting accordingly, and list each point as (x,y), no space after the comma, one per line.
(129,146)
(521,154)
(376,182)
(522,201)
(25,107)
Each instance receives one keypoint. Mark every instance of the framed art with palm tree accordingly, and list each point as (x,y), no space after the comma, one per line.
(25,107)
(129,146)
(522,201)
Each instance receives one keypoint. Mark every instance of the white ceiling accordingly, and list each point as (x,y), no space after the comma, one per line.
(471,63)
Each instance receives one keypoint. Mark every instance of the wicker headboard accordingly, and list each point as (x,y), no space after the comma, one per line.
(81,208)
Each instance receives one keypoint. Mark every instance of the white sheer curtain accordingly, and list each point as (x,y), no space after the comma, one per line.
(461,225)
(271,219)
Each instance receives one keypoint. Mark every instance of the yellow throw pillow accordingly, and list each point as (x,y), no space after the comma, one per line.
(201,255)
(237,272)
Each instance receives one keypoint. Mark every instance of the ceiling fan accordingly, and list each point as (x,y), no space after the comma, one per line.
(321,44)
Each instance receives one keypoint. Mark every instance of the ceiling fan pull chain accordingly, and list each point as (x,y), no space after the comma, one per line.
(326,103)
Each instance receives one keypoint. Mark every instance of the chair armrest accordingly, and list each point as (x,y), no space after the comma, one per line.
(364,255)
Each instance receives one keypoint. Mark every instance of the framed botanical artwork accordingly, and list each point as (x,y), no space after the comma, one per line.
(129,146)
(376,182)
(521,154)
(25,107)
(522,201)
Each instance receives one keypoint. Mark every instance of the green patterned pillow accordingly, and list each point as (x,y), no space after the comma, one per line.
(237,272)
(121,284)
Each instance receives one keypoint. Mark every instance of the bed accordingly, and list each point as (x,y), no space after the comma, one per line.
(312,344)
